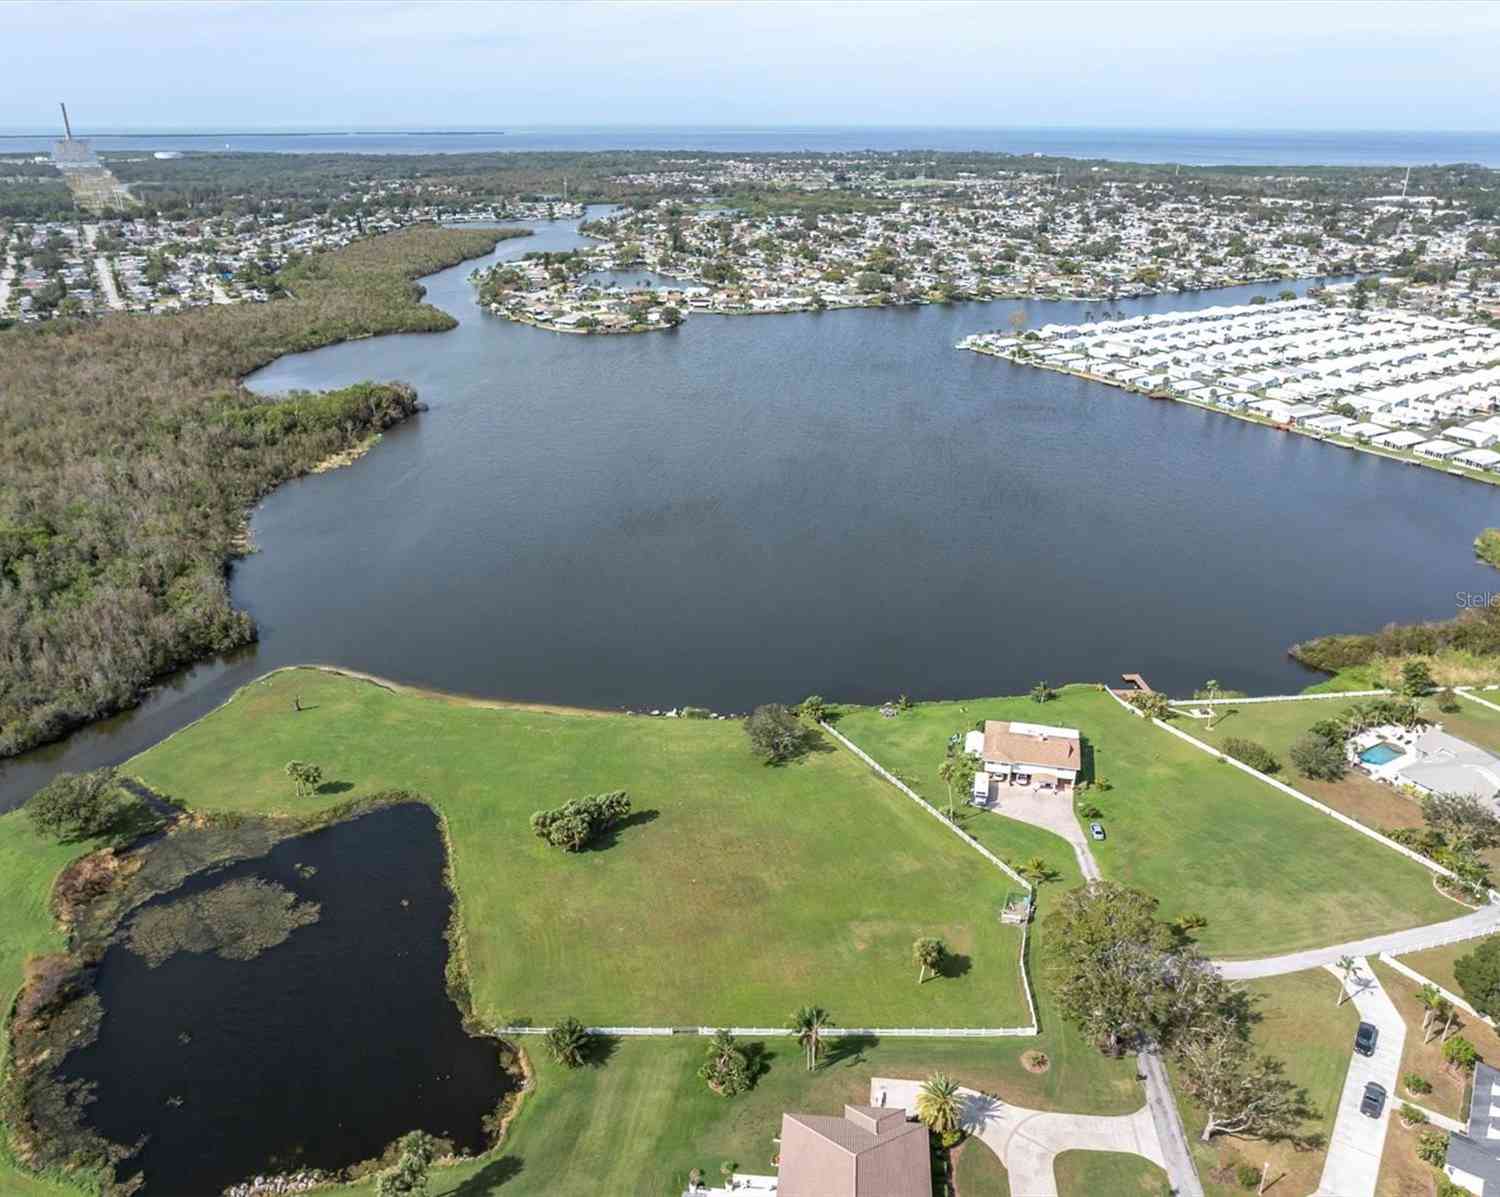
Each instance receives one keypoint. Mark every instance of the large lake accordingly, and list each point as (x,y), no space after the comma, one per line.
(754,508)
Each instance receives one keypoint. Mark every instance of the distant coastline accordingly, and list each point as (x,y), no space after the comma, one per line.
(1189,147)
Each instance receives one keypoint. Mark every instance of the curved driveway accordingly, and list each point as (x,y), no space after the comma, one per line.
(1028,1141)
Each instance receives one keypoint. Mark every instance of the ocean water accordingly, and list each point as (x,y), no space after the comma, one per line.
(1195,147)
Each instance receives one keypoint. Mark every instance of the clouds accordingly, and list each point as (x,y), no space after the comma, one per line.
(403,63)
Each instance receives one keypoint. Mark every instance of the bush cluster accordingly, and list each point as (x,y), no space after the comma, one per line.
(1248,752)
(577,822)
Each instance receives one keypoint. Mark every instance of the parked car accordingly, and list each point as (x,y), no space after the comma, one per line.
(1365,1038)
(1096,830)
(1373,1101)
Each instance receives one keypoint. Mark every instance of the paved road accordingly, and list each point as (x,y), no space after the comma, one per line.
(1028,1141)
(106,279)
(1177,1156)
(1471,925)
(7,272)
(1353,1162)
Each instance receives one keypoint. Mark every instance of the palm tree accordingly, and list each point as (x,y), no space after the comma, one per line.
(938,1103)
(1036,870)
(568,1042)
(808,1024)
(928,954)
(1429,996)
(1347,968)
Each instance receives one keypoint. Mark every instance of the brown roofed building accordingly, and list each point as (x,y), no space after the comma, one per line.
(869,1152)
(1026,754)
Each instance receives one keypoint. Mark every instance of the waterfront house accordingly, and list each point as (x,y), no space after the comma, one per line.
(1026,755)
(869,1152)
(1478,459)
(1438,450)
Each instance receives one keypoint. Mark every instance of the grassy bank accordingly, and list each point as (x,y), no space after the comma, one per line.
(1269,874)
(130,451)
(736,893)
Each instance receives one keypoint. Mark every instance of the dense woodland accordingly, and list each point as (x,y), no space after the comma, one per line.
(129,453)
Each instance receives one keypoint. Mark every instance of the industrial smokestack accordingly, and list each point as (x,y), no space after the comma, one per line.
(67,128)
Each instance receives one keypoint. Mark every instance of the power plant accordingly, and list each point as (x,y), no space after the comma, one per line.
(94,187)
(72,153)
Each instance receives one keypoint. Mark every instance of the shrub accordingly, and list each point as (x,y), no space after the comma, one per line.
(1248,752)
(1089,811)
(814,708)
(1412,1116)
(1416,1083)
(1432,1148)
(76,806)
(1150,703)
(1319,758)
(1446,700)
(1248,1176)
(697,713)
(775,733)
(579,821)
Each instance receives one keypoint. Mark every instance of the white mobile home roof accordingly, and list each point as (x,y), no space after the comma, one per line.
(1400,440)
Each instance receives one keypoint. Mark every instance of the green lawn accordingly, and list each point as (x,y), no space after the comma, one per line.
(978,1172)
(1270,874)
(1298,1024)
(743,892)
(640,1122)
(1437,963)
(1277,725)
(1085,1173)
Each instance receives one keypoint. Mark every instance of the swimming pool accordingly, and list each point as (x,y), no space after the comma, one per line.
(1381,754)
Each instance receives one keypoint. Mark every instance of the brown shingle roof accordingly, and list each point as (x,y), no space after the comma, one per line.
(869,1152)
(1002,743)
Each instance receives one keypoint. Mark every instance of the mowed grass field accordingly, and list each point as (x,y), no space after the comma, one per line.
(1278,725)
(1269,874)
(642,1120)
(739,891)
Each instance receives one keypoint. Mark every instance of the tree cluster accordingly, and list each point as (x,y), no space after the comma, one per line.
(130,452)
(407,1177)
(1128,981)
(83,806)
(579,821)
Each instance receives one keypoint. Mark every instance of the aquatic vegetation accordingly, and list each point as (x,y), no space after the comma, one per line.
(239,920)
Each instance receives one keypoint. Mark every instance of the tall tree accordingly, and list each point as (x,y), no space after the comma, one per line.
(1239,1094)
(727,1069)
(927,953)
(809,1023)
(957,771)
(1348,967)
(1478,975)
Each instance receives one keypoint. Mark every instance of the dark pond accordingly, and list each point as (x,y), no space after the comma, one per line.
(753,508)
(317,1053)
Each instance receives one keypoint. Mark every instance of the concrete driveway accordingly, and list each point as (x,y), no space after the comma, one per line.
(1027,1141)
(1052,812)
(1354,1148)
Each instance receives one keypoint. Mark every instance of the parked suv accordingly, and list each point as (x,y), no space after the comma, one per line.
(1096,830)
(1365,1037)
(1373,1101)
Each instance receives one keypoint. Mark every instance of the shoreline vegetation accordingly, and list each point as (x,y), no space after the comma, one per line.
(131,452)
(1461,651)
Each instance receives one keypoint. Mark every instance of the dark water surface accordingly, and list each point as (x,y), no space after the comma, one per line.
(753,508)
(320,1051)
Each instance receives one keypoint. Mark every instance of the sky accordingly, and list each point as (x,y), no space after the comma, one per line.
(338,64)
